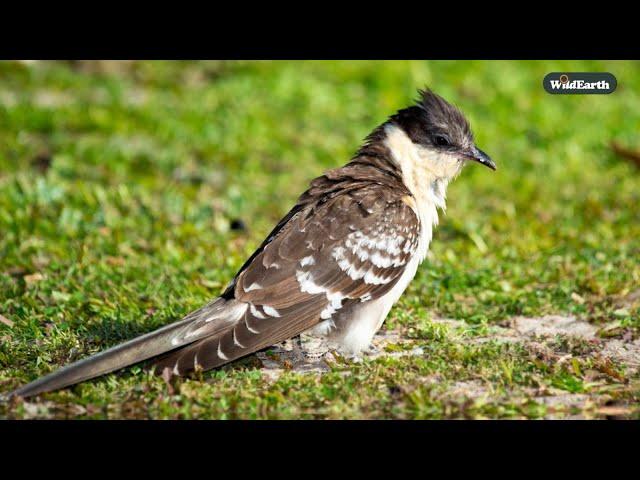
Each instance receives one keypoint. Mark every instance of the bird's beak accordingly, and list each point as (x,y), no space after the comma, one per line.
(479,156)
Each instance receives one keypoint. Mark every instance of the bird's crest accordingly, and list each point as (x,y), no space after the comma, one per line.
(441,112)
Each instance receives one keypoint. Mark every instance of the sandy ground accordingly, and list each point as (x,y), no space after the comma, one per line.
(310,356)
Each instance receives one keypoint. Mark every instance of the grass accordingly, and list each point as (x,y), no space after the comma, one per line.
(119,184)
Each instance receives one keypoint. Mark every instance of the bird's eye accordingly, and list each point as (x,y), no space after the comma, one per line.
(442,141)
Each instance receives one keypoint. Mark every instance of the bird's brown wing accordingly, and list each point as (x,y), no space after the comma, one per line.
(351,245)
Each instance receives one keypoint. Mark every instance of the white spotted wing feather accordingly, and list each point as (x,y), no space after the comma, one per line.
(326,259)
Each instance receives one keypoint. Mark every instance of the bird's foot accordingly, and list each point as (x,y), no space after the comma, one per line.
(305,348)
(372,351)
(355,358)
(313,348)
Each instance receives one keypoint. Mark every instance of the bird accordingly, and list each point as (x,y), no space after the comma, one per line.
(332,267)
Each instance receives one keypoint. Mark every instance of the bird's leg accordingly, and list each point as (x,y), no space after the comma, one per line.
(296,349)
(314,347)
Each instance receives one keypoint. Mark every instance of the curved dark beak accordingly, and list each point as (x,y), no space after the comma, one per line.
(479,156)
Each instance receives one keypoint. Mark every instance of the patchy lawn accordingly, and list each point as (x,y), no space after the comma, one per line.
(130,193)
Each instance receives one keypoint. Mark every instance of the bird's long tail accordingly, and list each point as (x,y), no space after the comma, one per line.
(171,337)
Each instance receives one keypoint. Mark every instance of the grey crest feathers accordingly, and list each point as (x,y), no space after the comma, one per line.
(440,112)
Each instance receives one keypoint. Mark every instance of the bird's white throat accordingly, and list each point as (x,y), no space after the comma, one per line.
(425,175)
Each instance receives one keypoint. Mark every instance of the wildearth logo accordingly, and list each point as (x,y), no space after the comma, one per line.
(572,83)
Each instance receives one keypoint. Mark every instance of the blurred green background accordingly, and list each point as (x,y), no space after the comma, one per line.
(119,182)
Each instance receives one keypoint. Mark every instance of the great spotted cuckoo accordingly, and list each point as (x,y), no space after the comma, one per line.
(333,266)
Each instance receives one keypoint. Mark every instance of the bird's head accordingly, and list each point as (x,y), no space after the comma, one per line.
(435,136)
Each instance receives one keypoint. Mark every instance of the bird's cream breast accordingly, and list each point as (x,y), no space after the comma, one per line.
(426,178)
